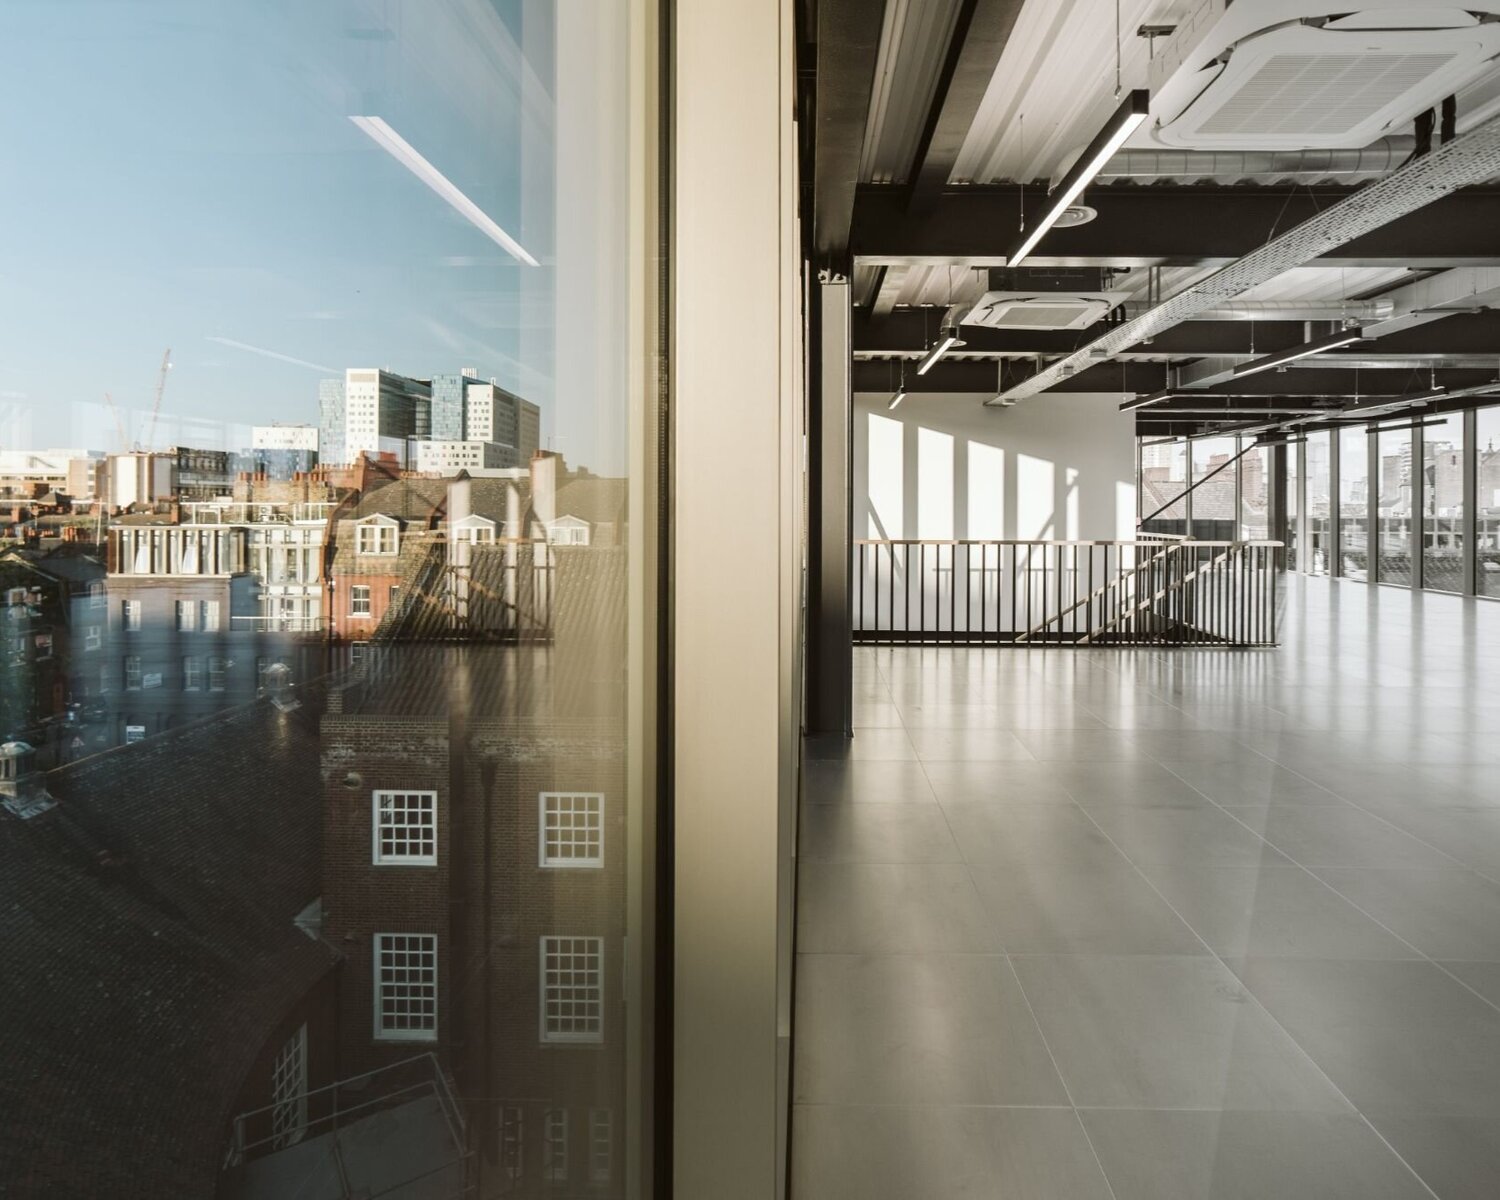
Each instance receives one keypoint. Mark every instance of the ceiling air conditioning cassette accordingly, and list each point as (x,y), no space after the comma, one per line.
(1312,74)
(1042,310)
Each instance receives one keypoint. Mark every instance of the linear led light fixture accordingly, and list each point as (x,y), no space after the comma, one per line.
(1127,119)
(1360,411)
(897,398)
(1280,359)
(404,153)
(1143,401)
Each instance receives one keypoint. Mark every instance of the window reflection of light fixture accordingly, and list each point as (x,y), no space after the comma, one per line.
(1107,141)
(1282,357)
(402,151)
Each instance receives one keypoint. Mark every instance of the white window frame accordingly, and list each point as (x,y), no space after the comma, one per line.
(223,673)
(378,825)
(132,660)
(289,1091)
(98,597)
(552,809)
(584,1001)
(395,990)
(130,615)
(93,637)
(355,600)
(187,616)
(555,1145)
(208,616)
(192,673)
(372,535)
(601,1144)
(474,530)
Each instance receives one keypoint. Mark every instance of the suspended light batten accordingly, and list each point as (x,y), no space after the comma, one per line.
(1282,357)
(1144,401)
(1127,119)
(944,344)
(896,399)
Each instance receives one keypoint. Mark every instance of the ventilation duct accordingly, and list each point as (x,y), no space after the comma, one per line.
(1312,74)
(1375,160)
(1286,310)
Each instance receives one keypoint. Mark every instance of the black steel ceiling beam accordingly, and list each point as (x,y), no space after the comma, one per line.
(1165,225)
(980,377)
(848,44)
(911,330)
(979,38)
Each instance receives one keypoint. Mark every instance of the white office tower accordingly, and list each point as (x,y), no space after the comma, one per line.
(492,414)
(372,410)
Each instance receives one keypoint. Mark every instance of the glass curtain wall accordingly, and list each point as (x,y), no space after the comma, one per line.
(1293,505)
(1487,501)
(1164,471)
(321,785)
(1318,496)
(1444,460)
(1394,491)
(1255,491)
(1354,503)
(1212,502)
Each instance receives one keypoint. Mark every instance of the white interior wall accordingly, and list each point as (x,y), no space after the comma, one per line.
(944,466)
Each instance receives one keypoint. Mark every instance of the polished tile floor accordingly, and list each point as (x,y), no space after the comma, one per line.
(1160,925)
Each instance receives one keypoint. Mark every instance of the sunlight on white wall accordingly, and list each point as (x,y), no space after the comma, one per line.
(1124,511)
(986,491)
(934,484)
(1070,478)
(885,478)
(1035,502)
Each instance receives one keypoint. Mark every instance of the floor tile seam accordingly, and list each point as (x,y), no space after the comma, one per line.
(1270,1016)
(1226,809)
(1420,954)
(1061,1078)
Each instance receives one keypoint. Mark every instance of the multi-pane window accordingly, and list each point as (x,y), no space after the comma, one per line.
(96,595)
(555,1145)
(289,1091)
(572,997)
(359,600)
(192,673)
(406,987)
(130,615)
(512,1140)
(187,615)
(601,1144)
(93,637)
(208,616)
(406,828)
(572,825)
(376,538)
(357,652)
(132,671)
(218,674)
(393,593)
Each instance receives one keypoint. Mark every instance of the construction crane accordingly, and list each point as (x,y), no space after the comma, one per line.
(161,386)
(119,423)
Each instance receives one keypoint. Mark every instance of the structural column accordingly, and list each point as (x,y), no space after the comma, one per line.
(829,650)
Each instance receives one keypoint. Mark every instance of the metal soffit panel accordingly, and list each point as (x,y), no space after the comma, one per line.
(1462,162)
(913,43)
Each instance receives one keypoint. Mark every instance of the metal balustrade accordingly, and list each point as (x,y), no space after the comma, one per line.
(1152,590)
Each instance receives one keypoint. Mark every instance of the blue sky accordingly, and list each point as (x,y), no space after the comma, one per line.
(185,175)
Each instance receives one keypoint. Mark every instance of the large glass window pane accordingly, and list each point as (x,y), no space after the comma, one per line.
(1293,504)
(1163,482)
(1443,504)
(1318,493)
(398,250)
(1213,493)
(1354,503)
(1255,493)
(1393,500)
(1487,516)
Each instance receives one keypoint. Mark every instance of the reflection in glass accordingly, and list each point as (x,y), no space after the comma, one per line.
(1293,505)
(1354,503)
(314,817)
(1443,460)
(1394,505)
(1319,497)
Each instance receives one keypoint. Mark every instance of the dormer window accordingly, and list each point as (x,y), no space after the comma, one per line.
(475,530)
(378,535)
(568,531)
